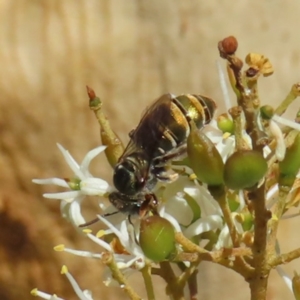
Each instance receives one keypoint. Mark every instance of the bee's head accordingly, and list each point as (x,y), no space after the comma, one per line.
(129,178)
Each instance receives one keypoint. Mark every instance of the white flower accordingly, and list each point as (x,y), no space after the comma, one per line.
(81,185)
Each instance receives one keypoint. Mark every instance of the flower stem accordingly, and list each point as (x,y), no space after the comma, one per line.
(259,279)
(291,96)
(228,219)
(285,258)
(108,260)
(173,288)
(146,273)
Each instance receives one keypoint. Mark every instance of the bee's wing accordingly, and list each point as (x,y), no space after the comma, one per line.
(147,136)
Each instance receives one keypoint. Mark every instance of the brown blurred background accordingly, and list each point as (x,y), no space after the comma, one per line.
(130,52)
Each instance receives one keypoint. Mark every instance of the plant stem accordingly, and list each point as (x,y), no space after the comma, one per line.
(146,272)
(291,96)
(228,219)
(285,258)
(173,288)
(259,279)
(108,260)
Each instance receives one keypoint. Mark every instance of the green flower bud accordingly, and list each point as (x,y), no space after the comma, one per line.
(290,165)
(244,169)
(225,123)
(267,112)
(205,159)
(74,183)
(232,200)
(157,238)
(248,221)
(296,286)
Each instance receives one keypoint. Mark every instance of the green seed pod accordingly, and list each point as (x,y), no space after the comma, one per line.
(267,112)
(289,166)
(157,238)
(244,169)
(205,159)
(225,123)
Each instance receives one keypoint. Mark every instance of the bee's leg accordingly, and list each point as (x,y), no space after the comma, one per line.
(165,174)
(175,154)
(161,170)
(150,204)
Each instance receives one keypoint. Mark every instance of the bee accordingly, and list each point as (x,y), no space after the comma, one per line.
(159,139)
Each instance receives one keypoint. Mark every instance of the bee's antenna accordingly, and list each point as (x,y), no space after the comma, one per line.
(97,219)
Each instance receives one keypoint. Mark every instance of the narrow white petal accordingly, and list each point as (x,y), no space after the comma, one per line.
(286,122)
(285,278)
(100,242)
(204,224)
(123,265)
(83,253)
(207,203)
(44,295)
(54,181)
(112,227)
(75,215)
(76,288)
(280,144)
(224,240)
(89,157)
(241,200)
(63,195)
(170,218)
(178,207)
(71,162)
(272,196)
(224,86)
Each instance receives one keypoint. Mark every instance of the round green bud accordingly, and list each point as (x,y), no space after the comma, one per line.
(225,123)
(267,112)
(157,238)
(205,159)
(244,169)
(248,221)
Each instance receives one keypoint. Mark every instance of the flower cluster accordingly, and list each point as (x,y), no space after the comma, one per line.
(240,178)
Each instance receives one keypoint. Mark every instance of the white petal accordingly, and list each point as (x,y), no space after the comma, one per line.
(280,144)
(77,289)
(286,122)
(241,200)
(100,242)
(62,196)
(178,207)
(54,181)
(72,212)
(94,186)
(226,147)
(224,86)
(204,224)
(123,265)
(170,218)
(113,228)
(88,158)
(285,278)
(207,203)
(224,240)
(71,162)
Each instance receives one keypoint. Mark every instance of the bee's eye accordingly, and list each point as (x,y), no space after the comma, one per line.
(126,180)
